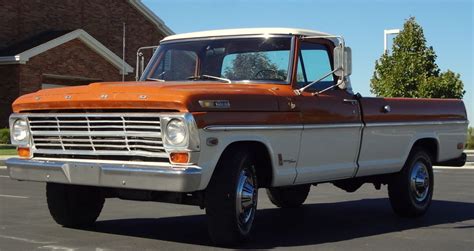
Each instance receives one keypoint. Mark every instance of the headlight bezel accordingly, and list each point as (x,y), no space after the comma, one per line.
(191,137)
(26,139)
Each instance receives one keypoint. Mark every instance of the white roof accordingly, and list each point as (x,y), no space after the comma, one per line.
(246,31)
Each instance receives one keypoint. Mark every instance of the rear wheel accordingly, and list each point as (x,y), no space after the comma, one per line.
(74,206)
(411,190)
(231,198)
(287,197)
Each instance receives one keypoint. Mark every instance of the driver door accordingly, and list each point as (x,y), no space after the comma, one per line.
(331,121)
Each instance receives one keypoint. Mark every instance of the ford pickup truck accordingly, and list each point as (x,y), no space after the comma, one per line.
(217,115)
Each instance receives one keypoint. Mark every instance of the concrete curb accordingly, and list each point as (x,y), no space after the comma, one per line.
(3,158)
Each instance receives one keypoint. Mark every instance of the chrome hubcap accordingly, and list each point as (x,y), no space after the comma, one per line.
(246,200)
(420,181)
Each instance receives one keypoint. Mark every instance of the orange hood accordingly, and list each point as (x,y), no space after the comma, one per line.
(171,96)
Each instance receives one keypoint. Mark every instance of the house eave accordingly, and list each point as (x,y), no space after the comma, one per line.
(145,11)
(80,34)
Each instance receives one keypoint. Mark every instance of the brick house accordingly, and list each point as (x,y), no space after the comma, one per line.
(50,43)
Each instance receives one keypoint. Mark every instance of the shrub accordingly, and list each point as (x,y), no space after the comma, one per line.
(4,136)
(470,139)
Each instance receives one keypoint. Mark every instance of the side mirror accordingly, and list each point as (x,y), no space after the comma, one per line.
(343,61)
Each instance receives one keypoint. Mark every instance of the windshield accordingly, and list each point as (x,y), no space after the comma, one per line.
(228,59)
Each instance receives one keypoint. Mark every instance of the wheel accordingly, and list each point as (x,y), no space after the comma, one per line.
(72,205)
(411,190)
(288,197)
(231,198)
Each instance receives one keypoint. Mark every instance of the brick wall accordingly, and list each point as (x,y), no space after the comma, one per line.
(71,59)
(100,18)
(9,91)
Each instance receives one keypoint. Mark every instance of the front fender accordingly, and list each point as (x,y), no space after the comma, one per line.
(285,142)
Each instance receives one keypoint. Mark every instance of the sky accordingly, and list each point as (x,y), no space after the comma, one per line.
(448,27)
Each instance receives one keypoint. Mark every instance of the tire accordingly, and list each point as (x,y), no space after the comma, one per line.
(74,206)
(232,186)
(411,190)
(288,197)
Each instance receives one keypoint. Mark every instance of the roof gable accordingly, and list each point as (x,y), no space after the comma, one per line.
(24,56)
(152,17)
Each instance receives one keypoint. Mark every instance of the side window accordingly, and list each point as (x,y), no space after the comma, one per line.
(314,63)
(176,65)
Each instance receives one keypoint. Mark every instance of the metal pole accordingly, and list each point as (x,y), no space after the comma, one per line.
(123,53)
(385,35)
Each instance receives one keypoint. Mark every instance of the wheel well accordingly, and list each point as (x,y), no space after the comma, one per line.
(430,145)
(262,157)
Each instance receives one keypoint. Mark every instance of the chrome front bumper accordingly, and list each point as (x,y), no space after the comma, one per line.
(182,179)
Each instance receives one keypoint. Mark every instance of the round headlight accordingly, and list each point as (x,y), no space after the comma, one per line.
(176,131)
(20,130)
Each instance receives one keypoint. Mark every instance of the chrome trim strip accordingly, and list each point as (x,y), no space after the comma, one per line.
(97,133)
(329,126)
(325,126)
(138,153)
(279,127)
(103,161)
(420,123)
(252,127)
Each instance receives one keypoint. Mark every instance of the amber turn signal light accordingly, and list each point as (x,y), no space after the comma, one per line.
(180,158)
(23,152)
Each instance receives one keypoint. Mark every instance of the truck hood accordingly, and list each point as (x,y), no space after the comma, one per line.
(166,96)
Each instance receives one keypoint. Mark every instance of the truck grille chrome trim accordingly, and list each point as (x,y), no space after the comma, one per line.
(96,134)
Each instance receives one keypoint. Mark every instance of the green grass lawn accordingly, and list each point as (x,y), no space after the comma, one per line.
(8,151)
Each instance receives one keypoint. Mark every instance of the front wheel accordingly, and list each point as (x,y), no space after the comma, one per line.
(73,205)
(411,190)
(231,198)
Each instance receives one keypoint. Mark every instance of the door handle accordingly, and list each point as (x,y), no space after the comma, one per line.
(351,101)
(386,109)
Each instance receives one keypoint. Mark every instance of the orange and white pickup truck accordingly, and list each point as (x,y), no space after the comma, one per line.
(219,114)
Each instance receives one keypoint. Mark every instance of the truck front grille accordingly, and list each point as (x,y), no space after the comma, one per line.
(97,134)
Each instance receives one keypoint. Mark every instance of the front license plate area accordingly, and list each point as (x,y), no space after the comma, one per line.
(85,174)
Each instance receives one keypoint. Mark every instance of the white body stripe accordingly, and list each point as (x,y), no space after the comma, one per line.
(324,152)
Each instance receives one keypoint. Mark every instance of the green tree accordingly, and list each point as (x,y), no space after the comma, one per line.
(411,69)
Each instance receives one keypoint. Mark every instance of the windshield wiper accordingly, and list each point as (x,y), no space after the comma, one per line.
(200,77)
(156,79)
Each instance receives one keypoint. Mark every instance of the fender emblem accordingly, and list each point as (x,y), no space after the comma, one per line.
(67,97)
(221,104)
